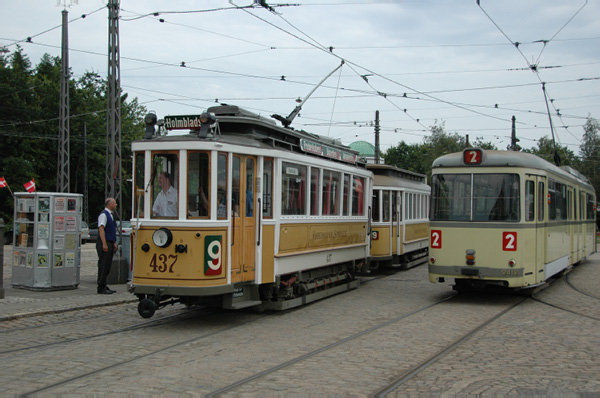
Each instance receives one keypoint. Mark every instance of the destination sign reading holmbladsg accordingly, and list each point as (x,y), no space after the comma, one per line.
(327,151)
(183,122)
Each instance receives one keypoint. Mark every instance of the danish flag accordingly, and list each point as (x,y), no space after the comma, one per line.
(30,186)
(3,183)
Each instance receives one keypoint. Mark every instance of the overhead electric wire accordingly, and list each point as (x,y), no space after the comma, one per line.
(374,92)
(29,38)
(534,67)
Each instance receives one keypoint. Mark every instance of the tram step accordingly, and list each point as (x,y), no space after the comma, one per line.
(244,304)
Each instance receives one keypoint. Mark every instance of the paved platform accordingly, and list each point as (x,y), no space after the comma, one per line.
(19,302)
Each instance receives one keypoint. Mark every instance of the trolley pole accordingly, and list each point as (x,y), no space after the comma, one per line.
(377,153)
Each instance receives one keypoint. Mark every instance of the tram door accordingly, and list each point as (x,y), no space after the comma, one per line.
(243,217)
(541,218)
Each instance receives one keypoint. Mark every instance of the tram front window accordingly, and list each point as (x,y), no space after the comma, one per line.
(475,197)
(164,185)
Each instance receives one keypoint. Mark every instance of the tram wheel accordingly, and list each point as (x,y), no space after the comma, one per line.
(146,308)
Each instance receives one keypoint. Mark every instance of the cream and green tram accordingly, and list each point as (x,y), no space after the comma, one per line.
(240,212)
(507,218)
(400,223)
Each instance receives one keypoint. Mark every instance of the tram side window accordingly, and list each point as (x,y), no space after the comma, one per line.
(314,191)
(394,205)
(451,197)
(400,195)
(541,201)
(198,184)
(386,206)
(138,201)
(331,194)
(557,200)
(267,205)
(345,211)
(165,180)
(530,201)
(236,171)
(376,207)
(293,189)
(582,208)
(222,186)
(358,196)
(590,207)
(496,197)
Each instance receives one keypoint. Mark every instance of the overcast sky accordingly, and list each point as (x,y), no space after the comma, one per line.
(418,62)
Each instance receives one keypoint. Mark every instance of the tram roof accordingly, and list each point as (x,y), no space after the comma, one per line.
(233,123)
(393,171)
(494,158)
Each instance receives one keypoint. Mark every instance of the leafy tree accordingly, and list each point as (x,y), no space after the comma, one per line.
(405,156)
(590,152)
(547,150)
(29,110)
(419,157)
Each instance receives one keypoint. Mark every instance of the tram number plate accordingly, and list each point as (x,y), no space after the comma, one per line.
(510,272)
(163,263)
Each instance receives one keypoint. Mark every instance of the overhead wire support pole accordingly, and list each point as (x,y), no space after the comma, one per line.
(113,116)
(63,169)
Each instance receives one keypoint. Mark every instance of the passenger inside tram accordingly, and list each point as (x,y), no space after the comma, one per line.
(165,204)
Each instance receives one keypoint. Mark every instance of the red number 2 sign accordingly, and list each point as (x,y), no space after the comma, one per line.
(436,239)
(509,241)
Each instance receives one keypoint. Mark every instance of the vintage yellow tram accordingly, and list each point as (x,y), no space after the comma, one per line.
(400,217)
(240,212)
(507,218)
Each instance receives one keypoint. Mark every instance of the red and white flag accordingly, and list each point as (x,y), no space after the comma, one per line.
(3,183)
(30,186)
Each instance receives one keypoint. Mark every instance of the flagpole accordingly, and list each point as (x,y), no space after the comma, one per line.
(5,184)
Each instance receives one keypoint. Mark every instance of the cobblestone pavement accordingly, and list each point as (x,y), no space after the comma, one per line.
(352,344)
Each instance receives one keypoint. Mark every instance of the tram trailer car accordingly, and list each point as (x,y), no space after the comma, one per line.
(507,219)
(400,218)
(241,213)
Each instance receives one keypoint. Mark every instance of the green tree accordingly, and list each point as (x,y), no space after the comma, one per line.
(29,108)
(546,149)
(405,156)
(590,152)
(420,157)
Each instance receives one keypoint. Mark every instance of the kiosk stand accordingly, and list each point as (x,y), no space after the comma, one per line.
(47,244)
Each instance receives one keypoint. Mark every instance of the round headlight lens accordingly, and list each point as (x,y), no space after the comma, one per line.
(162,237)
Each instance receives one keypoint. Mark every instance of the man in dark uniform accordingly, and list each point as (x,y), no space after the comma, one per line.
(106,244)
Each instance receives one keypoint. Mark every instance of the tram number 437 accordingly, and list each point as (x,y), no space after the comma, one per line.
(163,263)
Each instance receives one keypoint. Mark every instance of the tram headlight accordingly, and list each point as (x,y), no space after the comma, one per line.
(512,263)
(206,120)
(162,237)
(150,120)
(432,260)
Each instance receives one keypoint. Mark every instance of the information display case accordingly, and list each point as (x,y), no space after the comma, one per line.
(46,244)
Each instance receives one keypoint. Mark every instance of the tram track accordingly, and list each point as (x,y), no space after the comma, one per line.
(164,320)
(118,364)
(406,376)
(320,350)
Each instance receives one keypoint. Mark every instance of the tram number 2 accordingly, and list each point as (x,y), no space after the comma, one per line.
(436,239)
(163,263)
(509,241)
